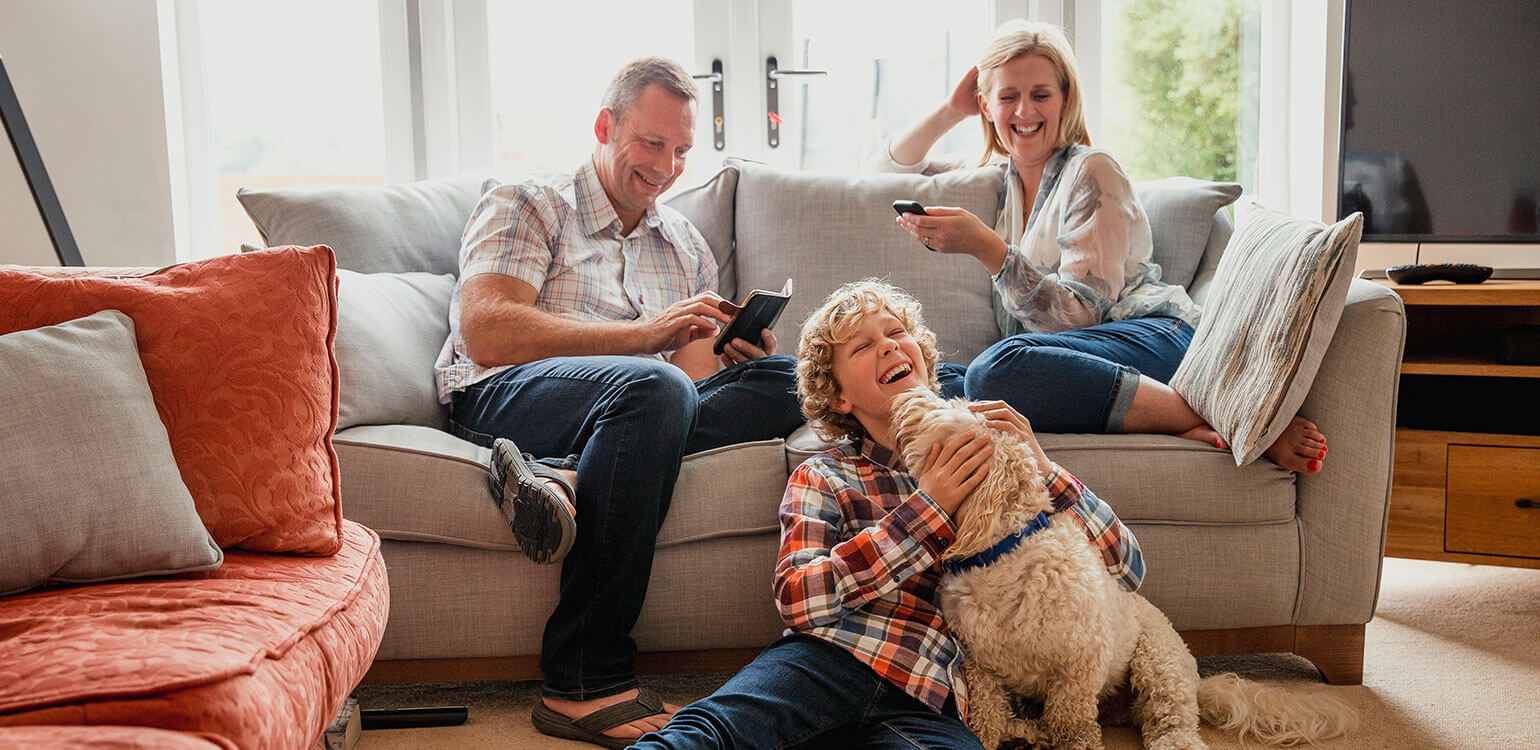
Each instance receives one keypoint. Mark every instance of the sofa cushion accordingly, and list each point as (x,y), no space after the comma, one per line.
(1278,295)
(262,651)
(710,208)
(88,486)
(389,469)
(237,350)
(54,737)
(824,230)
(1181,212)
(390,328)
(373,229)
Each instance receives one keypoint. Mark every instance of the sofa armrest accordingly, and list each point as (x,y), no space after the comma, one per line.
(1342,509)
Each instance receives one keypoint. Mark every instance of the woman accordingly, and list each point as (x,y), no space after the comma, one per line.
(1070,256)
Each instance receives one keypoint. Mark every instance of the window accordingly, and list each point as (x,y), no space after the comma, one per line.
(292,90)
(1179,88)
(889,65)
(549,71)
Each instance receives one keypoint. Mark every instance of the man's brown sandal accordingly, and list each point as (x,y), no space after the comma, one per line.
(591,728)
(542,520)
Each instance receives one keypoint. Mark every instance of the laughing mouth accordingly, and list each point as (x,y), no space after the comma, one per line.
(899,372)
(1027,129)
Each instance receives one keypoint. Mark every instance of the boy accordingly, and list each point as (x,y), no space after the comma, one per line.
(867,661)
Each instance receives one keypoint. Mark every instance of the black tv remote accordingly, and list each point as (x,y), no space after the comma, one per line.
(1459,273)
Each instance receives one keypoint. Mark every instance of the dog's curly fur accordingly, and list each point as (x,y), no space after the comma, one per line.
(1048,622)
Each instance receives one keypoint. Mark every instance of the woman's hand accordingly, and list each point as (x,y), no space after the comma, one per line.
(1002,416)
(947,229)
(964,101)
(738,350)
(955,468)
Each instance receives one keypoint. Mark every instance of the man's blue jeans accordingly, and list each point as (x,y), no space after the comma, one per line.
(1073,381)
(624,423)
(803,692)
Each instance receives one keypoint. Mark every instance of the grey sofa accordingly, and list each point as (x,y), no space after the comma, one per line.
(1250,559)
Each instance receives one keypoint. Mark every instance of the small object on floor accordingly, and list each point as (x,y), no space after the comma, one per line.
(1459,273)
(345,728)
(406,718)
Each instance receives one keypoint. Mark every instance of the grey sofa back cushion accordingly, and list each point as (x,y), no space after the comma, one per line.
(372,229)
(824,230)
(1183,221)
(710,208)
(390,328)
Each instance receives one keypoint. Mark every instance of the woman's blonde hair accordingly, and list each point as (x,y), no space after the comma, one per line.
(1018,38)
(830,325)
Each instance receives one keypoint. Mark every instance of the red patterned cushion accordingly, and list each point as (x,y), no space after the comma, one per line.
(238,353)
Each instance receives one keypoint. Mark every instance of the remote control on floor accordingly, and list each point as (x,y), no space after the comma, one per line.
(1459,273)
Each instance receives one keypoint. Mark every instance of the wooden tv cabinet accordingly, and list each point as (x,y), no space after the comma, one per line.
(1466,486)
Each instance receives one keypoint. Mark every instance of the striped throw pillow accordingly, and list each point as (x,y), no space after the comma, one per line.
(1277,296)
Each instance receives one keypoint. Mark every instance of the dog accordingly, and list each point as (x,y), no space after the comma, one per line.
(1046,622)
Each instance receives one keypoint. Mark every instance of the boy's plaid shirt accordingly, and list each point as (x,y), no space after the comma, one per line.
(860,545)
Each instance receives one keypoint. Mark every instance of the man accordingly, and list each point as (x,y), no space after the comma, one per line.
(581,331)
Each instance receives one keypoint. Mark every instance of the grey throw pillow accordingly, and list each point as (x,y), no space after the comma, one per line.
(710,208)
(372,229)
(1181,211)
(825,230)
(1278,295)
(89,488)
(390,328)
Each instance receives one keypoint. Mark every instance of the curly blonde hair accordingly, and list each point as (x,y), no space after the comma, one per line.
(831,325)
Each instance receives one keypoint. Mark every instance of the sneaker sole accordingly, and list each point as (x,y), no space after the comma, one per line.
(541,522)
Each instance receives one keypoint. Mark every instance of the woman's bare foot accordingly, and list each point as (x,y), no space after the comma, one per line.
(633,730)
(1205,434)
(1300,448)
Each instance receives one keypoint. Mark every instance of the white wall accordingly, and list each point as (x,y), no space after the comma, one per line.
(88,73)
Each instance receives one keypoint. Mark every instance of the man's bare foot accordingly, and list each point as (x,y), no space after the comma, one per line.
(571,477)
(633,730)
(1205,434)
(1300,448)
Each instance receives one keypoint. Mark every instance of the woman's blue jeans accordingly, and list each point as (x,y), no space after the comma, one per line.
(1074,381)
(803,692)
(624,423)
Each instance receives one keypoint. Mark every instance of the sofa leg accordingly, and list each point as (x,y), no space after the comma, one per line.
(1336,650)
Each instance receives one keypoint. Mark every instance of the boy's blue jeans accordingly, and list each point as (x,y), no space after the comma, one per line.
(1073,381)
(803,692)
(624,423)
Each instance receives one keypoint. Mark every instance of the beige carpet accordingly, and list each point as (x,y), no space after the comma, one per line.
(1452,662)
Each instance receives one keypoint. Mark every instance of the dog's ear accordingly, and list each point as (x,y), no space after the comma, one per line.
(908,412)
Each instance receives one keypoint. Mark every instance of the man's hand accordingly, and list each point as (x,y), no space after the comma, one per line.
(955,468)
(1002,416)
(738,350)
(684,321)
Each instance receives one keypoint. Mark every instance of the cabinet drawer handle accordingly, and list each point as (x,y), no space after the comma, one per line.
(1525,502)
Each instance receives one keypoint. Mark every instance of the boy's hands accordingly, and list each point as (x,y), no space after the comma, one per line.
(955,468)
(1001,416)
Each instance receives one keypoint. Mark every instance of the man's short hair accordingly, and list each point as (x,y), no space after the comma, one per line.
(831,325)
(633,79)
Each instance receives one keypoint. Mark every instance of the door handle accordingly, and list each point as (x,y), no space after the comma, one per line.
(718,124)
(773,75)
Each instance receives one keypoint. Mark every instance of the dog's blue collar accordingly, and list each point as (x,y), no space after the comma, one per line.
(1001,548)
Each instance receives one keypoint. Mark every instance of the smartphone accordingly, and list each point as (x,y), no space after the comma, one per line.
(759,311)
(909,207)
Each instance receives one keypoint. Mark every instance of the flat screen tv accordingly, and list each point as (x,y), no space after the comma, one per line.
(1440,137)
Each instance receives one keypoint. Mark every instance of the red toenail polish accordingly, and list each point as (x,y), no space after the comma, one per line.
(1218,444)
(1315,465)
(1322,454)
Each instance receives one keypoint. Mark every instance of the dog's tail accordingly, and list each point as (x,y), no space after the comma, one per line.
(1227,702)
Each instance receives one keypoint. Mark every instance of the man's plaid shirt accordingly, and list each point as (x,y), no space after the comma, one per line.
(860,545)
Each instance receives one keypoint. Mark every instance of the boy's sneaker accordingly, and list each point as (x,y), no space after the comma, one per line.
(543,521)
